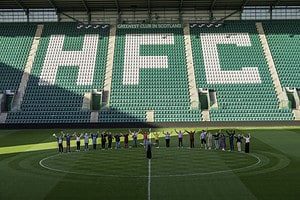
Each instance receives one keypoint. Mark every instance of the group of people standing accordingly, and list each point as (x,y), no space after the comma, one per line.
(219,139)
(206,139)
(105,137)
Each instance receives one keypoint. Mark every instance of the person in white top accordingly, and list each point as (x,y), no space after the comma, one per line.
(180,135)
(247,143)
(134,136)
(203,139)
(86,141)
(78,136)
(209,140)
(59,142)
(167,137)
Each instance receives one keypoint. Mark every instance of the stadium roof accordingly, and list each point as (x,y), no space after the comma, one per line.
(119,5)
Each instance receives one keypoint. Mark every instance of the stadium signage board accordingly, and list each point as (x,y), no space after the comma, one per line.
(137,26)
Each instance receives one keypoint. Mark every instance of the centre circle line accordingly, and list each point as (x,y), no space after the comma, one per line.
(41,163)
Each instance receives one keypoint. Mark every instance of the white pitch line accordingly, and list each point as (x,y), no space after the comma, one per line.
(149,179)
(41,163)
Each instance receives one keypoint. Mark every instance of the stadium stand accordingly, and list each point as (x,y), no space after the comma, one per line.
(284,42)
(15,43)
(69,62)
(149,75)
(229,60)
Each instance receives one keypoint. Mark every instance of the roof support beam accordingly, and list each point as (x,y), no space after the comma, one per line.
(180,11)
(233,13)
(149,10)
(20,4)
(212,5)
(87,10)
(117,6)
(85,6)
(244,4)
(26,10)
(180,5)
(211,14)
(76,20)
(118,10)
(277,3)
(53,5)
(149,6)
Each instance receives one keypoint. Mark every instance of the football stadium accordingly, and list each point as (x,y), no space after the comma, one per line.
(150,100)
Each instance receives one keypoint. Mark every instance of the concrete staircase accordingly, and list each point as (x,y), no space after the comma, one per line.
(109,67)
(281,94)
(94,116)
(296,114)
(296,111)
(3,118)
(205,115)
(194,96)
(150,115)
(86,104)
(16,105)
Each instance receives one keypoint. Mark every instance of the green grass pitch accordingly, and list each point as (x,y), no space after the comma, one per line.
(32,168)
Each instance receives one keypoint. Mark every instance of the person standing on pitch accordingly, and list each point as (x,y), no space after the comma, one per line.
(192,138)
(180,136)
(109,138)
(94,137)
(239,139)
(156,139)
(59,142)
(68,143)
(223,141)
(126,135)
(247,143)
(145,138)
(117,138)
(209,139)
(103,139)
(217,136)
(78,136)
(203,139)
(86,141)
(134,137)
(231,137)
(167,137)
